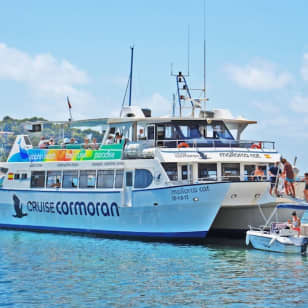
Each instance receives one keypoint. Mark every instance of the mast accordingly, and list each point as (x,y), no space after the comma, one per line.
(131,76)
(204,55)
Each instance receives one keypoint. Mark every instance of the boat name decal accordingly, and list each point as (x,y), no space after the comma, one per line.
(239,155)
(74,208)
(183,193)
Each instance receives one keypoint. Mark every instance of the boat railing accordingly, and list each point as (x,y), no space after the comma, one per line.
(215,143)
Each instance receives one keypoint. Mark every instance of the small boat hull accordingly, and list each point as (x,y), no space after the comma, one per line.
(276,243)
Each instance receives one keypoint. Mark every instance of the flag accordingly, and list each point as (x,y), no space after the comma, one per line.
(69,108)
(68,102)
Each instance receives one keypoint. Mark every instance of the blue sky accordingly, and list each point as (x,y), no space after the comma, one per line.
(257,60)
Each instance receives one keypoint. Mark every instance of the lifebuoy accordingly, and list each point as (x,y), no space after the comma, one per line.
(256,146)
(183,145)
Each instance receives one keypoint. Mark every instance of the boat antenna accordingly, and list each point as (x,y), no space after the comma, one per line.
(188,49)
(204,54)
(131,76)
(129,81)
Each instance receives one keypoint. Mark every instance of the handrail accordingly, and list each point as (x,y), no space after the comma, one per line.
(217,143)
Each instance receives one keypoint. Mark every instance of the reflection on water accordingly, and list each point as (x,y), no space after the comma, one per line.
(45,270)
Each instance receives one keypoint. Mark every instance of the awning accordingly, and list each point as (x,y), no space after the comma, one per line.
(293,206)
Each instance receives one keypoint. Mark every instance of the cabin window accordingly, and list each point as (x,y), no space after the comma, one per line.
(129,179)
(24,176)
(249,171)
(27,140)
(207,172)
(150,132)
(171,170)
(37,179)
(16,176)
(105,178)
(70,179)
(87,179)
(143,178)
(231,172)
(54,179)
(184,172)
(118,178)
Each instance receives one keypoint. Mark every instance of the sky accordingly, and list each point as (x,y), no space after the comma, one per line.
(256,60)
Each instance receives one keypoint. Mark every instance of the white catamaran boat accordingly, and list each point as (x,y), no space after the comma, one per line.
(168,177)
(124,186)
(280,237)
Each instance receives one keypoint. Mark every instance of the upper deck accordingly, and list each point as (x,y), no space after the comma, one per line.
(135,137)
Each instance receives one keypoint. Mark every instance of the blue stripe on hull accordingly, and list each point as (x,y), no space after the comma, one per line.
(167,235)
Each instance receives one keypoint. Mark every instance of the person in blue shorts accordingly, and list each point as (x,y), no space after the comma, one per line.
(274,173)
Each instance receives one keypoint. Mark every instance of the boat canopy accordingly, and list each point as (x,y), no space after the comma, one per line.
(293,206)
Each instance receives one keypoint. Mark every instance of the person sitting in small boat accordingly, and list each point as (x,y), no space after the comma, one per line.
(258,174)
(296,223)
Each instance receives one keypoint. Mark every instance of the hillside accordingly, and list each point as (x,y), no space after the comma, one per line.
(18,127)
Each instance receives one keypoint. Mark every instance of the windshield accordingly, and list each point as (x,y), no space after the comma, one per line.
(200,130)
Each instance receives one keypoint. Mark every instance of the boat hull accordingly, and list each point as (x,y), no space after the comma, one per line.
(276,243)
(248,204)
(180,212)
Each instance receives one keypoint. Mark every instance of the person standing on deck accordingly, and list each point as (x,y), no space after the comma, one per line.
(289,177)
(274,173)
(306,186)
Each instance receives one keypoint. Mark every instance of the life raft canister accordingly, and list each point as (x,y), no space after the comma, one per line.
(183,145)
(256,146)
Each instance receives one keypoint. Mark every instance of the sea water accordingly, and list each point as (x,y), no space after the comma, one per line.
(53,270)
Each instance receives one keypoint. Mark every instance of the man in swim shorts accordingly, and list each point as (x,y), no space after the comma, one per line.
(306,187)
(289,177)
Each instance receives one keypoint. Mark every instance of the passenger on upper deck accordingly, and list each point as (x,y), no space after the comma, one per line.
(65,142)
(118,138)
(73,141)
(94,145)
(109,140)
(51,141)
(43,144)
(86,143)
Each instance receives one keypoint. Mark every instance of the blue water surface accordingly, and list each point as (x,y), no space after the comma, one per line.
(53,270)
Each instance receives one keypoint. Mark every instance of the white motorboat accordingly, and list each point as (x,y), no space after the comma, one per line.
(280,237)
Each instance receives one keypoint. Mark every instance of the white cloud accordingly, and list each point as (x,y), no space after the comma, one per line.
(299,104)
(50,80)
(267,107)
(157,103)
(260,75)
(304,69)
